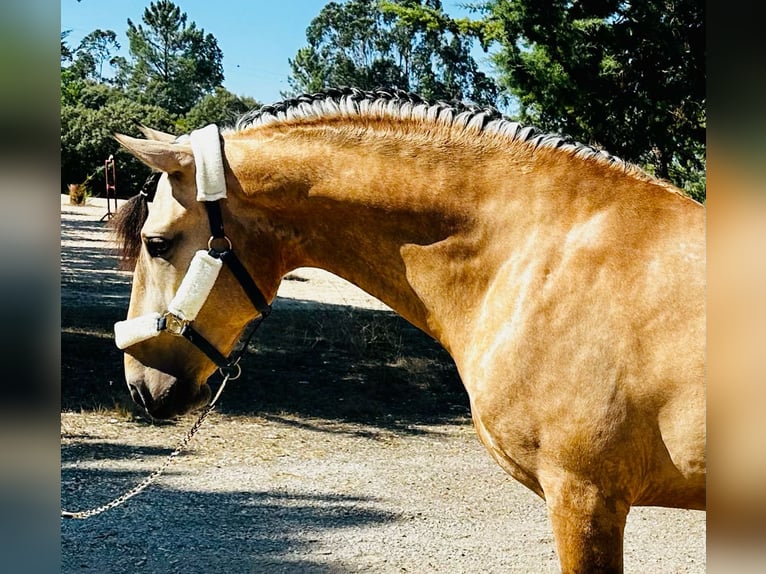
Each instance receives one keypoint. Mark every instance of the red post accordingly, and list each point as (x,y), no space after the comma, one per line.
(111,190)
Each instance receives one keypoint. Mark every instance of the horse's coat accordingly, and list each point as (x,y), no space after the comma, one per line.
(567,285)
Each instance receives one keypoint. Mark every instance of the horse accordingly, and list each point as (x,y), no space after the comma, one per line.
(567,285)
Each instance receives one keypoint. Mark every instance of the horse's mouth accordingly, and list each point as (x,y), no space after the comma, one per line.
(176,400)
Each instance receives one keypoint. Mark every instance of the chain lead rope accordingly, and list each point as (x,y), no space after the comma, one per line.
(144,484)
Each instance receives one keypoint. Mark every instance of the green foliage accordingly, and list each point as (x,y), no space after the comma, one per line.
(627,76)
(86,62)
(371,44)
(87,129)
(95,50)
(66,51)
(174,69)
(221,108)
(174,64)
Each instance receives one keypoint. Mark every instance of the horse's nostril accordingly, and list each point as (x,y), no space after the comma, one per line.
(136,394)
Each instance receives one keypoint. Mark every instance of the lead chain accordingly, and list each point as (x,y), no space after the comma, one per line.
(141,486)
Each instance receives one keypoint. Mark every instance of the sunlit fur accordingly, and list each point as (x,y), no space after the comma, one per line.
(567,285)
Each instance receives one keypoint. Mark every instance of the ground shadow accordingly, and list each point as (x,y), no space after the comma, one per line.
(308,360)
(92,271)
(234,531)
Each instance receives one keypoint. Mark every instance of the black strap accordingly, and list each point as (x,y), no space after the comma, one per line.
(248,285)
(244,339)
(232,261)
(215,218)
(149,189)
(197,340)
(204,345)
(226,254)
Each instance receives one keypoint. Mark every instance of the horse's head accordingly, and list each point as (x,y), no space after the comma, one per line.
(167,373)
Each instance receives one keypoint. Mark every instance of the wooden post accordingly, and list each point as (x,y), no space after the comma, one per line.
(111,190)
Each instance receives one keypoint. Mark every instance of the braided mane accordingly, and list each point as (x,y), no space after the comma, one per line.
(394,103)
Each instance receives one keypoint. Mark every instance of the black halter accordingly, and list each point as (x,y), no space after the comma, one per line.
(219,246)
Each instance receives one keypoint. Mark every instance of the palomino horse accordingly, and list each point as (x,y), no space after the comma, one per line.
(567,285)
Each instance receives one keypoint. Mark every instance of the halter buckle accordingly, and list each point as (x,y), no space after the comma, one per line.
(173,324)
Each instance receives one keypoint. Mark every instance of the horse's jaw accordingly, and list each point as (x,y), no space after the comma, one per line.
(162,395)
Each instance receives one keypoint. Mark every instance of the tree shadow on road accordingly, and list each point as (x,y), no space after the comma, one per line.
(167,530)
(311,361)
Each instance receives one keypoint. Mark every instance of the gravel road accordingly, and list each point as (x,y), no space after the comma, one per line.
(282,493)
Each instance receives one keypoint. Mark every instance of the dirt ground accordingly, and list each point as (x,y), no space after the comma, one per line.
(324,458)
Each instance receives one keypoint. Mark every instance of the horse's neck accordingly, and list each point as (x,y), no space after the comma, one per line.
(355,211)
(422,230)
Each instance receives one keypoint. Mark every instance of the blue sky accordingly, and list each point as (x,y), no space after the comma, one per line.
(256,36)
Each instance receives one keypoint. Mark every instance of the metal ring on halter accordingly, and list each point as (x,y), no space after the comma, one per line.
(213,238)
(225,371)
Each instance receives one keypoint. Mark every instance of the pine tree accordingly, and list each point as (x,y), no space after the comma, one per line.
(174,63)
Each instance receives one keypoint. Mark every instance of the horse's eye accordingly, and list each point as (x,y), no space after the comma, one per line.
(157,246)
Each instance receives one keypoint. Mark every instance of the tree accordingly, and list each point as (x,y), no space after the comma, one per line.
(94,50)
(86,62)
(72,81)
(370,44)
(174,68)
(66,51)
(221,108)
(87,129)
(627,76)
(174,64)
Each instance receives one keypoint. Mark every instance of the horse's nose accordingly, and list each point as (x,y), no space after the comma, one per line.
(137,394)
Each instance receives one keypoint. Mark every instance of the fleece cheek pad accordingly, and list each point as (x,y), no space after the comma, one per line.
(196,286)
(186,304)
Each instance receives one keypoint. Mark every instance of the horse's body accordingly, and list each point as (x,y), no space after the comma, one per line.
(567,286)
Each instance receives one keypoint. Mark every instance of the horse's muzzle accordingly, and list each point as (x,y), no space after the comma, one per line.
(137,394)
(176,399)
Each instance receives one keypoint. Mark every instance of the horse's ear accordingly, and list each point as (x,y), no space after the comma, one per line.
(160,155)
(156,135)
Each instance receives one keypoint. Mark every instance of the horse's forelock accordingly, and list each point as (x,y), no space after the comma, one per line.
(127,224)
(129,220)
